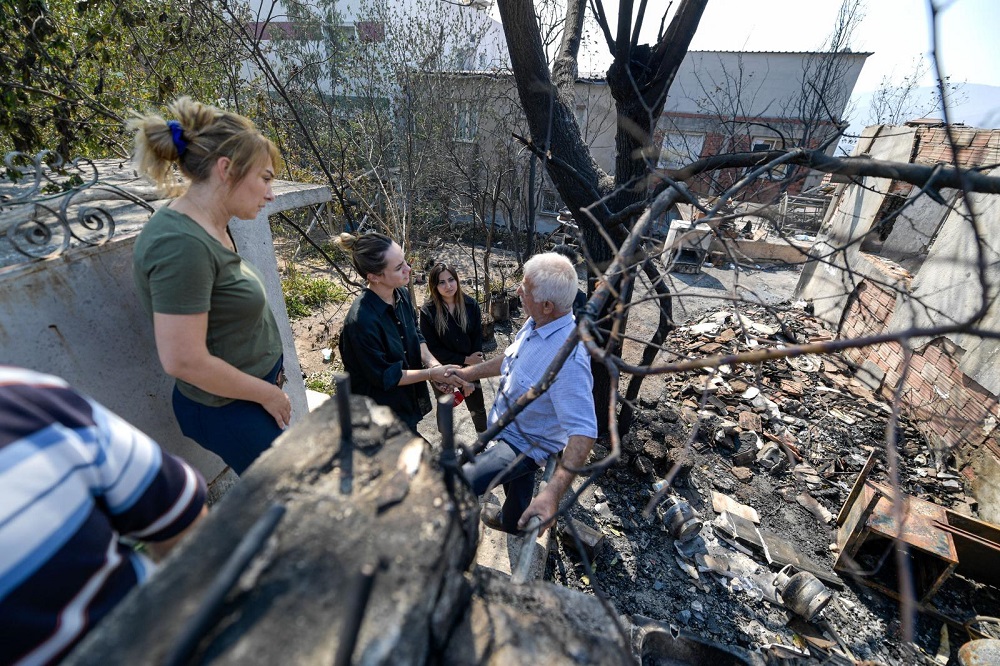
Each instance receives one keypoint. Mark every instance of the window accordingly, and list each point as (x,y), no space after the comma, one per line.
(551,203)
(464,57)
(466,121)
(764,144)
(679,149)
(758,145)
(345,34)
(370,31)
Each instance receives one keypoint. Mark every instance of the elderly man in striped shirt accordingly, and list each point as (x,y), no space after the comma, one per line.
(73,478)
(561,419)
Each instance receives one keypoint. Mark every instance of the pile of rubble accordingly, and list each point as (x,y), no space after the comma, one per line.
(773,458)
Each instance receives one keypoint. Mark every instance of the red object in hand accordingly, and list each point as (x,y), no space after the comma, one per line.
(459,397)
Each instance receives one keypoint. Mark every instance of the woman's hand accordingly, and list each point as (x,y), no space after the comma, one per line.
(439,373)
(278,406)
(445,375)
(474,358)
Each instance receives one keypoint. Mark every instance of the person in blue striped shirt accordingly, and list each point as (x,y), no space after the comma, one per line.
(561,420)
(73,479)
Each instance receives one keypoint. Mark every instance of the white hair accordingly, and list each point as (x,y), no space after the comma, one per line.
(553,279)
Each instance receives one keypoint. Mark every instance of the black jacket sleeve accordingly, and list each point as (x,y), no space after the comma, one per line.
(475,316)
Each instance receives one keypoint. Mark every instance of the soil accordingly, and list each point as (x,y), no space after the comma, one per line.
(835,423)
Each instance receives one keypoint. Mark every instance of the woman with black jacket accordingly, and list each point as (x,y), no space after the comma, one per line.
(452,325)
(380,344)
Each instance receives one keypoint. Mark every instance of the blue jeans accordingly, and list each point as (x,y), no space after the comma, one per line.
(518,483)
(237,432)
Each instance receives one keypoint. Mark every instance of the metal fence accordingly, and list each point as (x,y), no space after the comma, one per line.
(49,204)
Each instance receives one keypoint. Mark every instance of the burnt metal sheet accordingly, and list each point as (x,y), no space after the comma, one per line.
(978,546)
(741,529)
(781,553)
(919,528)
(859,483)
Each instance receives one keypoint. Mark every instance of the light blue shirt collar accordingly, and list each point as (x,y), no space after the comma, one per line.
(553,326)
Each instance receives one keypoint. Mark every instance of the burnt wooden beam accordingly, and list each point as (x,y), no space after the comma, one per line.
(293,604)
(383,574)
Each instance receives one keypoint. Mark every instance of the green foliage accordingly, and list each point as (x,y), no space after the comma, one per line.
(71,70)
(304,293)
(321,381)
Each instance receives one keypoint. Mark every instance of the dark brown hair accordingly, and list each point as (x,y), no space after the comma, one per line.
(440,309)
(367,251)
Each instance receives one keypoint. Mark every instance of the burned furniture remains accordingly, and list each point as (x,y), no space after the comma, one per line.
(875,520)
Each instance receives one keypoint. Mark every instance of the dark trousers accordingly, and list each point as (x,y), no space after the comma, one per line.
(237,432)
(518,482)
(477,406)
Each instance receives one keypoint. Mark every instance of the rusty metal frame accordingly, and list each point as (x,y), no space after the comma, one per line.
(872,515)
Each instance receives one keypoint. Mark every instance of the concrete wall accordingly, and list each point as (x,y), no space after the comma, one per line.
(950,386)
(77,316)
(914,229)
(789,252)
(756,83)
(827,282)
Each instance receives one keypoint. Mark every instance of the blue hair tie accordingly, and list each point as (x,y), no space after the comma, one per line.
(176,132)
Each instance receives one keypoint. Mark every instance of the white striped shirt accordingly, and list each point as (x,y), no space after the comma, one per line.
(73,477)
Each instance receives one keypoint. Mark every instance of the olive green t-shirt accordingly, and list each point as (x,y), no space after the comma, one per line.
(180,269)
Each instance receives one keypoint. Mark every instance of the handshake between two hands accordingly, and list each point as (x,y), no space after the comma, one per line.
(450,379)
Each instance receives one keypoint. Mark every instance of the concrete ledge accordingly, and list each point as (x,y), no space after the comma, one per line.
(501,552)
(781,251)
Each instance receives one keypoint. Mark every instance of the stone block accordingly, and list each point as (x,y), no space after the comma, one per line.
(591,540)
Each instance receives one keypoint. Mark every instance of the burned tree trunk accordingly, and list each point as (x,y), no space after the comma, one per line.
(297,607)
(639,80)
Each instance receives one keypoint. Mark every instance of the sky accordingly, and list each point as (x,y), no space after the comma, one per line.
(895,31)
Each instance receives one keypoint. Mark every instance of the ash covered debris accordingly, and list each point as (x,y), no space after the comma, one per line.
(781,442)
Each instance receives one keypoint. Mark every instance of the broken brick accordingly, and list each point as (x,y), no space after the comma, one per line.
(790,387)
(750,421)
(742,473)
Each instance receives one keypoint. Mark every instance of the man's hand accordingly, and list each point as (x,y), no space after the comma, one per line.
(459,374)
(446,379)
(544,505)
(474,358)
(490,368)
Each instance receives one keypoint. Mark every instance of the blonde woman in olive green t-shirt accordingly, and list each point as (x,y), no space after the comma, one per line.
(213,327)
